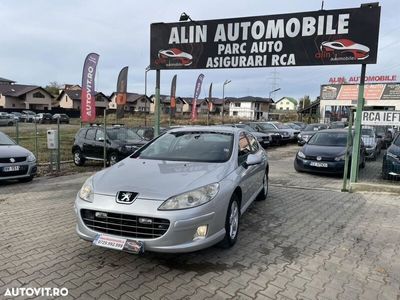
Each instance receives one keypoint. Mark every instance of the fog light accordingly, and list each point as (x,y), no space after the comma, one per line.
(201,232)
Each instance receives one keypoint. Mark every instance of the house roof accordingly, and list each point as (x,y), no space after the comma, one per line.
(294,101)
(5,80)
(250,99)
(132,97)
(17,90)
(76,95)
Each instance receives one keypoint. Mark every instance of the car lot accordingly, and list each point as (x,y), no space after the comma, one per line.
(306,241)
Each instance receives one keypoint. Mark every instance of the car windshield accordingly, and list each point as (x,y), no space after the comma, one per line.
(191,146)
(245,127)
(367,132)
(337,125)
(338,139)
(294,126)
(281,126)
(5,140)
(122,134)
(312,128)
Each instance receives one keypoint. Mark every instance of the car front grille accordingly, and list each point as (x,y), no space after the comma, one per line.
(22,171)
(6,160)
(322,158)
(125,225)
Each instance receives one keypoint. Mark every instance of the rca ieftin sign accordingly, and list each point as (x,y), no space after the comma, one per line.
(382,117)
(324,37)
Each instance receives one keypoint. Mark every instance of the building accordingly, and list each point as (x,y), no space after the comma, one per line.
(21,96)
(71,99)
(182,106)
(134,103)
(251,108)
(286,103)
(335,99)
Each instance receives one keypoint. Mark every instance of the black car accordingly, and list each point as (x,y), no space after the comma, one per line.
(44,118)
(120,143)
(325,153)
(276,136)
(391,160)
(62,117)
(308,132)
(262,138)
(147,133)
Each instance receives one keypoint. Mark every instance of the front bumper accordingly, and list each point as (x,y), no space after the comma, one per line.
(27,169)
(183,223)
(391,167)
(370,152)
(333,167)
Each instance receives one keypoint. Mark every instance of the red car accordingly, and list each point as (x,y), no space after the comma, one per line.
(176,55)
(345,46)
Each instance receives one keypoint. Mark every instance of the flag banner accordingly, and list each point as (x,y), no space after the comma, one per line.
(120,99)
(88,101)
(173,96)
(210,104)
(197,91)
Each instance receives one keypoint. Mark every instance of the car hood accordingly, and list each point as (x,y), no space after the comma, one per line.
(394,150)
(324,151)
(156,179)
(13,151)
(308,132)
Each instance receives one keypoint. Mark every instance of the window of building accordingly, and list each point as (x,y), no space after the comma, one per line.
(237,104)
(38,95)
(235,113)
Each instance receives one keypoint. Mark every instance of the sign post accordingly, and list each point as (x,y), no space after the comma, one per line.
(157,110)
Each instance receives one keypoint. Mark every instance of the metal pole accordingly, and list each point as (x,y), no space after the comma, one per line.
(36,141)
(157,106)
(223,102)
(105,140)
(58,145)
(17,131)
(347,154)
(357,128)
(145,94)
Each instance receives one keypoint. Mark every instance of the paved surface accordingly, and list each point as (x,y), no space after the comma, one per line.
(299,244)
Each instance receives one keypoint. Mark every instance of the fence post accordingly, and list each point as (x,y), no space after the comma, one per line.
(36,141)
(58,145)
(17,131)
(346,160)
(105,140)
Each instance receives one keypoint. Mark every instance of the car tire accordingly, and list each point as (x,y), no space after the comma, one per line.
(10,123)
(264,192)
(232,222)
(26,179)
(363,163)
(296,167)
(112,159)
(79,160)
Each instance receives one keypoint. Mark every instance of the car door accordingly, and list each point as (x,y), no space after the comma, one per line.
(88,142)
(98,145)
(258,171)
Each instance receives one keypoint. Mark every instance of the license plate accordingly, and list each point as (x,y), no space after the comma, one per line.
(119,244)
(318,164)
(11,169)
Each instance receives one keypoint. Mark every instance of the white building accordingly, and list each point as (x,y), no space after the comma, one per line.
(286,103)
(251,108)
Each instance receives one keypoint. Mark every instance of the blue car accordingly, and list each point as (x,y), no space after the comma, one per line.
(391,160)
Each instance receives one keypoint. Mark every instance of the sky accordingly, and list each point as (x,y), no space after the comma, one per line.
(43,41)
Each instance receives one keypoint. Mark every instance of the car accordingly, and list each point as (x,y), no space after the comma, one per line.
(184,191)
(147,133)
(17,116)
(385,134)
(337,125)
(277,137)
(120,143)
(372,142)
(391,160)
(293,126)
(16,162)
(44,118)
(62,117)
(7,120)
(288,134)
(27,116)
(302,125)
(345,47)
(263,138)
(176,55)
(308,132)
(325,153)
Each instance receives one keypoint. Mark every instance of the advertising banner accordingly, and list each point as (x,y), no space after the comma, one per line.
(197,91)
(120,99)
(173,96)
(377,91)
(324,37)
(88,101)
(383,117)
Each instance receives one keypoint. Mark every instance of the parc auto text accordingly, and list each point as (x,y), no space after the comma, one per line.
(233,39)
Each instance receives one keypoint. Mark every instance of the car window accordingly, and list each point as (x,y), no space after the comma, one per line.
(81,133)
(5,140)
(329,139)
(99,135)
(253,143)
(90,134)
(397,141)
(267,126)
(196,146)
(244,148)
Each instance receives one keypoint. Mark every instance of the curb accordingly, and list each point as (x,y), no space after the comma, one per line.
(375,188)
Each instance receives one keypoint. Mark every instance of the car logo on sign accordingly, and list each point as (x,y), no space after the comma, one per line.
(126,197)
(12,160)
(319,157)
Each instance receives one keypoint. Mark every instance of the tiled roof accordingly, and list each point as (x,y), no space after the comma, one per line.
(17,90)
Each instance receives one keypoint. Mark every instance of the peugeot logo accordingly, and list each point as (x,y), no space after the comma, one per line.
(126,197)
(319,157)
(12,160)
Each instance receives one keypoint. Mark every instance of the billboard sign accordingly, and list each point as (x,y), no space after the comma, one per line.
(383,117)
(324,37)
(377,91)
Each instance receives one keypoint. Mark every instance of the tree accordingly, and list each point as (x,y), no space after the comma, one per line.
(53,87)
(306,100)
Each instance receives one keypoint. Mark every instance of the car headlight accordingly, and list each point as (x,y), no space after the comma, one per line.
(299,135)
(285,133)
(301,154)
(31,158)
(340,158)
(86,193)
(191,199)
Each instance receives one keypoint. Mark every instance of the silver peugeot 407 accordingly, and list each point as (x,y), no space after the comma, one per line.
(182,192)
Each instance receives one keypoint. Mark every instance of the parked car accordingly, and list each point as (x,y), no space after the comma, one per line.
(7,120)
(308,132)
(325,153)
(17,116)
(372,141)
(277,137)
(282,127)
(386,134)
(301,124)
(391,160)
(120,143)
(293,126)
(263,138)
(147,133)
(27,116)
(184,191)
(16,162)
(63,118)
(44,118)
(337,125)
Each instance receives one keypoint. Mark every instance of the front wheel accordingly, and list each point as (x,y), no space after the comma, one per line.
(231,223)
(112,159)
(79,160)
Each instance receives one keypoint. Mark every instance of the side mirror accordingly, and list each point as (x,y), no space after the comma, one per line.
(253,159)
